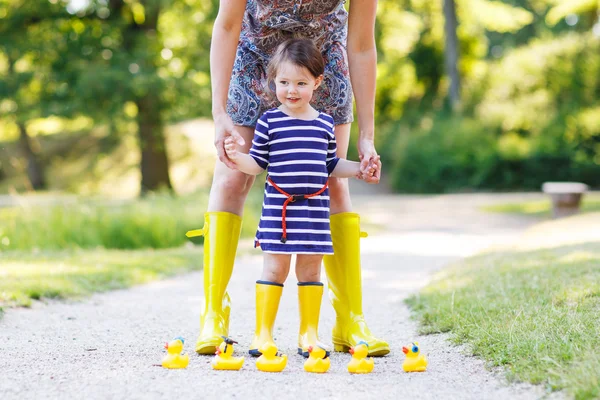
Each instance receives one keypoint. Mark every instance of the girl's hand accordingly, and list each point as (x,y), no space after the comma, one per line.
(230,146)
(373,171)
(224,129)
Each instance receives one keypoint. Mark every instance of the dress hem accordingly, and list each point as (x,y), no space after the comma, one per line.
(297,252)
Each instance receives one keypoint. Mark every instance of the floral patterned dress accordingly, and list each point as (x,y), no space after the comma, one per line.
(266,24)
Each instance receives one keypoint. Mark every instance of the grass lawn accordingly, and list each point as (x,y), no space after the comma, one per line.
(77,273)
(542,208)
(78,247)
(533,309)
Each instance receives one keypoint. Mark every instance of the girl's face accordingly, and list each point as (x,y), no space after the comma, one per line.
(295,86)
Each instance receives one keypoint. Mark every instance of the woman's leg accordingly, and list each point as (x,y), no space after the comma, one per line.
(268,293)
(222,226)
(230,187)
(343,268)
(310,294)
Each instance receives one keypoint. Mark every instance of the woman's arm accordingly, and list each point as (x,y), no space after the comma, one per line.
(225,37)
(362,62)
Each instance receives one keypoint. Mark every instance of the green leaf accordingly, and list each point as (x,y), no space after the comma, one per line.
(499,17)
(565,8)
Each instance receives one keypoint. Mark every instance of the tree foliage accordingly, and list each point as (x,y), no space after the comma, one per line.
(134,66)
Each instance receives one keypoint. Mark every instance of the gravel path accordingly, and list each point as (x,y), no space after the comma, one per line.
(107,346)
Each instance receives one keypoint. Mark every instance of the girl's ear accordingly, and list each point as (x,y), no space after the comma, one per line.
(318,81)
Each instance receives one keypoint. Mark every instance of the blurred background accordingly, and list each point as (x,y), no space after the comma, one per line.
(109,100)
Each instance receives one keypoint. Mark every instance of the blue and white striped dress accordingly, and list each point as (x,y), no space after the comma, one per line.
(299,156)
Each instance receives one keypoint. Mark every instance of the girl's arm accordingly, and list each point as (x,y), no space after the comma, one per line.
(346,169)
(225,37)
(351,169)
(246,164)
(362,62)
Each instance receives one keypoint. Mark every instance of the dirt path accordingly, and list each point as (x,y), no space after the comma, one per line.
(106,347)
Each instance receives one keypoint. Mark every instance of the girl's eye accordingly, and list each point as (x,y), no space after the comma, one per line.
(283,82)
(302,83)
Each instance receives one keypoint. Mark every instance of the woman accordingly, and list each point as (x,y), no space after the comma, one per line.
(245,35)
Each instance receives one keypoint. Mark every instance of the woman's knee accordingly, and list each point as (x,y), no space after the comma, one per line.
(339,192)
(233,183)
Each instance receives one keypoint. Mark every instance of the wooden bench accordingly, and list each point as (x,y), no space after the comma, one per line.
(566,197)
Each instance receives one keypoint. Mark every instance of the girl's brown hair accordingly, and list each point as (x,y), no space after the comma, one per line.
(300,52)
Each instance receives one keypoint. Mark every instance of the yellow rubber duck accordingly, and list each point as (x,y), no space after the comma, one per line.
(224,359)
(360,364)
(317,361)
(414,362)
(175,359)
(271,360)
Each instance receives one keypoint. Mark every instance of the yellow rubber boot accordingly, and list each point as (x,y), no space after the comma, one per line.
(310,295)
(268,295)
(345,287)
(221,233)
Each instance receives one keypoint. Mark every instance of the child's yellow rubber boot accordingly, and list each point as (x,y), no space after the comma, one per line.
(310,295)
(221,233)
(345,286)
(268,295)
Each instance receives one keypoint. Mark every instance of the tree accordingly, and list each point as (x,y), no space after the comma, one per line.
(451,52)
(148,54)
(22,43)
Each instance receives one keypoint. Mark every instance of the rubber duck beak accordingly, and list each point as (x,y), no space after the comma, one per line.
(310,349)
(404,350)
(218,351)
(352,350)
(167,345)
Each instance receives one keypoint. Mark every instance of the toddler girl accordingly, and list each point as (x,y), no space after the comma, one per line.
(296,145)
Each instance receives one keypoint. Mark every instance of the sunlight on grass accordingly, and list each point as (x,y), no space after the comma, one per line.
(536,313)
(68,274)
(158,221)
(541,208)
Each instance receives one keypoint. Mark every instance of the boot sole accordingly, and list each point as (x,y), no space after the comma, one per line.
(375,352)
(208,346)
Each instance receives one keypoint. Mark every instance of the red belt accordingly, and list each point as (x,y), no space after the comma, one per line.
(290,199)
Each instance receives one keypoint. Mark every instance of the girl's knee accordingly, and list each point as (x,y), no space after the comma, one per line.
(308,268)
(276,267)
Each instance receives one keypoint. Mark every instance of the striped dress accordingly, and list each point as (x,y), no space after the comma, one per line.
(299,156)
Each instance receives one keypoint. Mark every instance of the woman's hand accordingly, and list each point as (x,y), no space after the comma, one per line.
(225,131)
(368,156)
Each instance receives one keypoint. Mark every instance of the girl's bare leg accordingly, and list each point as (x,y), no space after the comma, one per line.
(276,267)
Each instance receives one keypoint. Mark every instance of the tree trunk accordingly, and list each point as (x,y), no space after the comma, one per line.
(35,170)
(155,164)
(451,52)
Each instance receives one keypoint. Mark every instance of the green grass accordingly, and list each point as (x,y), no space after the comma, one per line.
(542,208)
(158,221)
(90,245)
(77,273)
(536,313)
